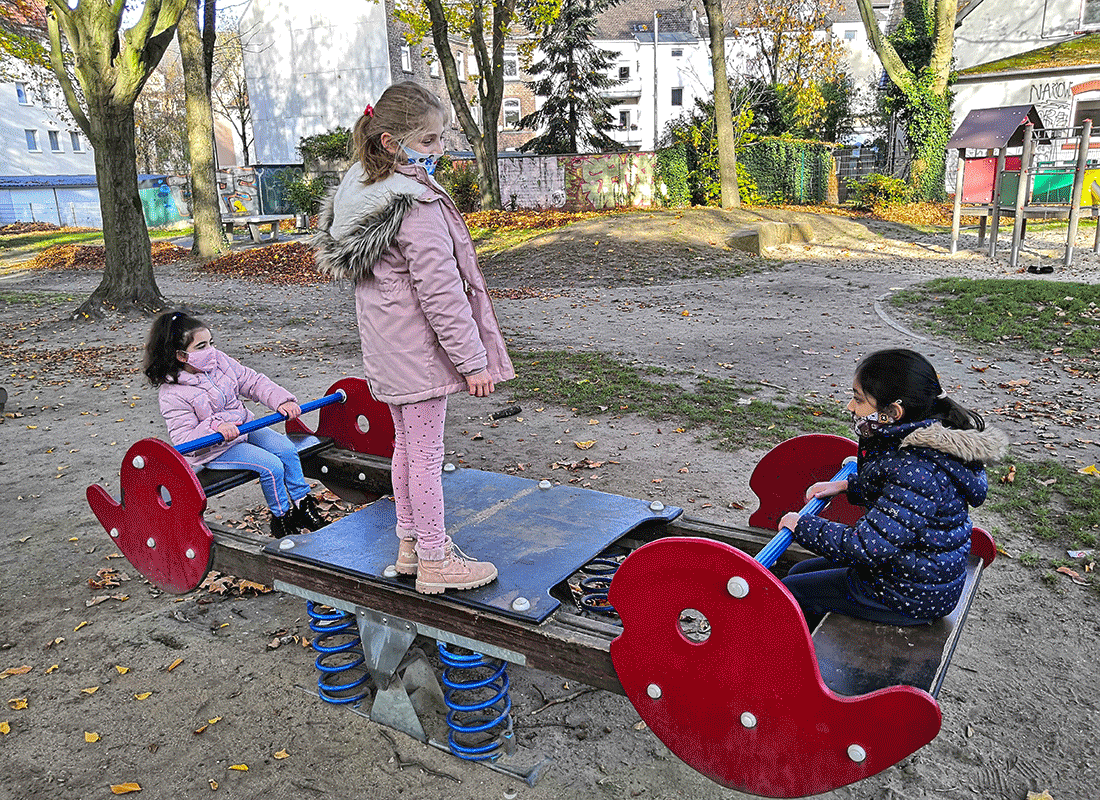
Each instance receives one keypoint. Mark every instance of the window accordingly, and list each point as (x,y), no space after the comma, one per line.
(55,141)
(850,34)
(1087,109)
(511,65)
(32,141)
(678,96)
(74,140)
(677,52)
(511,112)
(433,70)
(624,73)
(21,94)
(460,65)
(624,120)
(1090,14)
(406,58)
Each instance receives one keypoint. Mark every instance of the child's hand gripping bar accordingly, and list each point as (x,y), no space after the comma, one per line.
(338,396)
(771,552)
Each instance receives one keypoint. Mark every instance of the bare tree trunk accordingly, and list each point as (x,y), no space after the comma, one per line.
(723,109)
(128,282)
(209,239)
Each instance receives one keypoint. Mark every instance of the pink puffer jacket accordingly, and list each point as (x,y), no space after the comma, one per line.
(200,401)
(424,313)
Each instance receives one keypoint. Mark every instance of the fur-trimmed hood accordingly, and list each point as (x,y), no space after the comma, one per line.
(968,446)
(370,217)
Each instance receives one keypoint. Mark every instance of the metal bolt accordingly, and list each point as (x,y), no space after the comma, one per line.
(363,477)
(656,505)
(114,533)
(748,719)
(151,542)
(545,484)
(521,604)
(857,753)
(324,469)
(390,572)
(138,462)
(738,587)
(285,544)
(448,467)
(653,690)
(190,553)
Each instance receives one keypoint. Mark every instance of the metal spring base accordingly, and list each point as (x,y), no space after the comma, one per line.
(343,677)
(480,722)
(598,574)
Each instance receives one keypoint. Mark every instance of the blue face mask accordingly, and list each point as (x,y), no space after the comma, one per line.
(426,160)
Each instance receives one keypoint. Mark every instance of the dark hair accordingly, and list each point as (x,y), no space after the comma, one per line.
(402,111)
(171,332)
(908,379)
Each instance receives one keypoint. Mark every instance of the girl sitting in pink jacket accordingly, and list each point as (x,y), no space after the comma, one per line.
(426,323)
(200,394)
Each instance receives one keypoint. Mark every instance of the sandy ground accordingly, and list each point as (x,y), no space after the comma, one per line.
(1020,708)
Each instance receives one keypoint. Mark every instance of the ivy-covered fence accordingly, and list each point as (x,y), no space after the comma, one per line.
(790,170)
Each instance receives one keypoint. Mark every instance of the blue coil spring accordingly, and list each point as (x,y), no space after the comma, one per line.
(598,574)
(479,712)
(340,658)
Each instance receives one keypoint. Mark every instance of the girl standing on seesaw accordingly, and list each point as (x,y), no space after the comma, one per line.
(200,394)
(426,322)
(921,465)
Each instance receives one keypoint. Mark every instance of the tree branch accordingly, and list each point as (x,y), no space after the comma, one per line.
(900,74)
(943,44)
(57,64)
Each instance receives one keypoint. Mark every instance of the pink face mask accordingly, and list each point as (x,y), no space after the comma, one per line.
(203,360)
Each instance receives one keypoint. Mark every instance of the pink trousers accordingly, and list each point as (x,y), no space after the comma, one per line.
(418,473)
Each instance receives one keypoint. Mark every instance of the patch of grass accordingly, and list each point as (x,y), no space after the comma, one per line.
(590,383)
(44,239)
(489,241)
(1050,502)
(36,299)
(1039,315)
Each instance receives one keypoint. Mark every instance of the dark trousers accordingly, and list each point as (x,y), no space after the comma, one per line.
(820,586)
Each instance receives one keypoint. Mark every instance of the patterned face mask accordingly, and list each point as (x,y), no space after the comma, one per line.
(872,423)
(426,160)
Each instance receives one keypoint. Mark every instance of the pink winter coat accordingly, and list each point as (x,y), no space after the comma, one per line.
(200,401)
(425,317)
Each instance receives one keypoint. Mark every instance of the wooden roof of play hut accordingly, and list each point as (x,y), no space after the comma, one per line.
(994,128)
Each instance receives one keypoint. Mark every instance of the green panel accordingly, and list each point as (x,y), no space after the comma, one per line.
(1052,187)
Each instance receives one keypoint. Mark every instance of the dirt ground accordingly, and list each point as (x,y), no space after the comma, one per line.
(1020,701)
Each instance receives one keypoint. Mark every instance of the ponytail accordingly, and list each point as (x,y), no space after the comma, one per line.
(171,332)
(954,415)
(908,378)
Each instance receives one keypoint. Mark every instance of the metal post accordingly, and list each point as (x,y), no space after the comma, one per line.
(656,37)
(995,218)
(57,205)
(956,213)
(1078,190)
(1021,194)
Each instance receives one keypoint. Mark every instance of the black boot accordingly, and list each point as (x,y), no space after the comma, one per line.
(286,525)
(307,515)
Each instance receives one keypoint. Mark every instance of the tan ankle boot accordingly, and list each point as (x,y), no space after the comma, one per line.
(455,570)
(406,557)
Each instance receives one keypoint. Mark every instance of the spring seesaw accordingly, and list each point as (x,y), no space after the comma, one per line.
(759,704)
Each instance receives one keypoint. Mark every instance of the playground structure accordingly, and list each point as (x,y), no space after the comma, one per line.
(753,699)
(1037,182)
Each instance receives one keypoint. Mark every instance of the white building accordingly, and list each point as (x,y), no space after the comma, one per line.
(47,168)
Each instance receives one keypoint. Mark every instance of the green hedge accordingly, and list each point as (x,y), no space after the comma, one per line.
(789,170)
(672,177)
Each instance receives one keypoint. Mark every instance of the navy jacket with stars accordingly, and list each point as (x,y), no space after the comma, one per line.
(917,481)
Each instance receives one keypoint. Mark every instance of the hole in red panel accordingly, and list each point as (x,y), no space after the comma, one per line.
(694,625)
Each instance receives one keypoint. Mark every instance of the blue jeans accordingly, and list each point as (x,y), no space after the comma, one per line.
(820,586)
(274,458)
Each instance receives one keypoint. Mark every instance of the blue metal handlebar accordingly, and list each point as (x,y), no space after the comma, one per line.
(771,552)
(216,438)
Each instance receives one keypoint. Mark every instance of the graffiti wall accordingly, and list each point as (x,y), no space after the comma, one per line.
(576,183)
(165,199)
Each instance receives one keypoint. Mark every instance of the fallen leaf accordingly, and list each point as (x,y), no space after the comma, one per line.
(142,696)
(640,726)
(90,690)
(585,445)
(239,767)
(1043,795)
(1073,576)
(200,729)
(14,671)
(17,703)
(1090,470)
(657,480)
(282,754)
(91,737)
(1010,476)
(125,788)
(51,668)
(122,670)
(56,641)
(213,785)
(174,664)
(81,625)
(212,721)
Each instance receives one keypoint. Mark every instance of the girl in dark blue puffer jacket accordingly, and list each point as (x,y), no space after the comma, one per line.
(921,467)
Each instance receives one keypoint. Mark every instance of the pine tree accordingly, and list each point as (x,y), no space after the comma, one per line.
(572,76)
